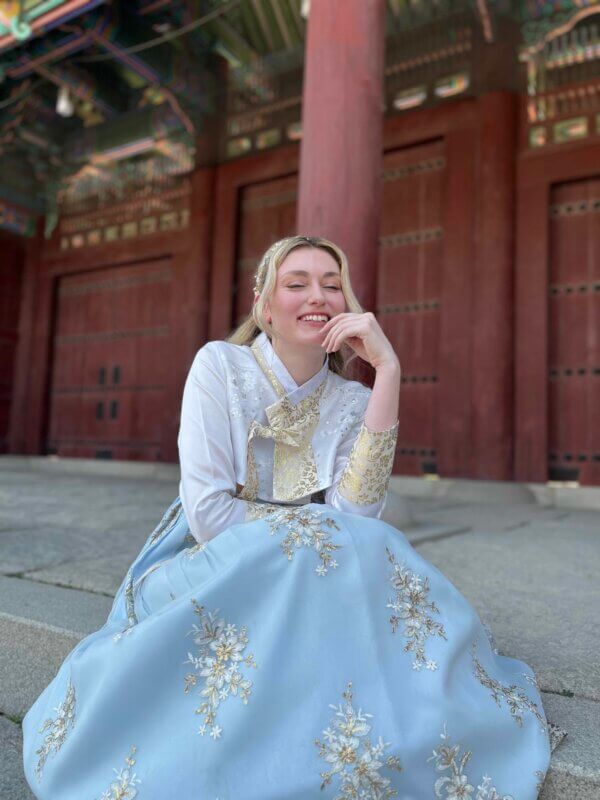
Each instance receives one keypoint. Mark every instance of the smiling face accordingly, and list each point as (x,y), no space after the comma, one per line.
(307,293)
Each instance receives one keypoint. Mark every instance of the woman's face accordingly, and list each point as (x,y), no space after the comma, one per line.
(308,285)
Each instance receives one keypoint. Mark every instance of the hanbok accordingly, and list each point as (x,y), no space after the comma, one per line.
(275,639)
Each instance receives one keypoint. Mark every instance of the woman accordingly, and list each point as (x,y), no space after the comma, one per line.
(267,645)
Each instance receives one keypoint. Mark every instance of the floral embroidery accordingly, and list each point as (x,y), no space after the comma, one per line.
(367,473)
(456,786)
(56,729)
(532,679)
(221,652)
(124,787)
(491,639)
(353,757)
(556,734)
(259,510)
(412,607)
(514,696)
(305,528)
(541,776)
(246,393)
(169,519)
(129,600)
(192,552)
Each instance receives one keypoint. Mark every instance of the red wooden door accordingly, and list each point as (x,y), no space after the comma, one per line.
(409,290)
(10,304)
(574,333)
(112,349)
(268,213)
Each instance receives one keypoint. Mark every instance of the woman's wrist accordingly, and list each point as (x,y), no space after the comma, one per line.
(390,366)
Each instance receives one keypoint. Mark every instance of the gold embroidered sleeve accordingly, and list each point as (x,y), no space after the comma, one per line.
(367,473)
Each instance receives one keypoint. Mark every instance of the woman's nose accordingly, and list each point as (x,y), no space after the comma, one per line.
(316,294)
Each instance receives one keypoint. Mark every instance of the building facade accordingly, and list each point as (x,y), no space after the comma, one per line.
(452,149)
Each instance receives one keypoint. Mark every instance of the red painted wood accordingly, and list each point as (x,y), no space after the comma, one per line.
(492,320)
(537,173)
(11,278)
(268,213)
(409,288)
(340,187)
(115,319)
(21,421)
(231,181)
(574,325)
(455,200)
(47,266)
(454,418)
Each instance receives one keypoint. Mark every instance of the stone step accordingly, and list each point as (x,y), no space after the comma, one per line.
(39,626)
(13,785)
(574,772)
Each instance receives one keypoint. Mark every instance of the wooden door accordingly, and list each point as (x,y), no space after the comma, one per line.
(111,356)
(267,213)
(409,290)
(574,333)
(11,268)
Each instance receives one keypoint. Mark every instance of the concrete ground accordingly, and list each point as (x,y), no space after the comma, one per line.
(527,559)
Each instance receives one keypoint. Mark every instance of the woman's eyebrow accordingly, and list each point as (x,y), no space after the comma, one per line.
(305,273)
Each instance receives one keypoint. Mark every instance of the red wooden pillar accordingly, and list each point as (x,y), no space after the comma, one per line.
(492,320)
(342,133)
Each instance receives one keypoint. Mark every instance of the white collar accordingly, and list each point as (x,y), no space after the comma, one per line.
(293,391)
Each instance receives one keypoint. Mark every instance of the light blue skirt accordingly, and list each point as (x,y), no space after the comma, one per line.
(307,654)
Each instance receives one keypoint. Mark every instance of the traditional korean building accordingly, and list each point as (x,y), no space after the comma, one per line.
(150,151)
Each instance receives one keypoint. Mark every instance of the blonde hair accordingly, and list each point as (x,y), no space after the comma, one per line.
(264,285)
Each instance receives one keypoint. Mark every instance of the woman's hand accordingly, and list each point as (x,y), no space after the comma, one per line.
(364,335)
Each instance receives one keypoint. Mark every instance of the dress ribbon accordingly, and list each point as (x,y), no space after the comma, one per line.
(291,427)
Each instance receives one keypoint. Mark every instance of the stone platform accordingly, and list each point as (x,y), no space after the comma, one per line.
(526,558)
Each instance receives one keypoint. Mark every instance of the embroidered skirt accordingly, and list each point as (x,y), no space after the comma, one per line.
(305,654)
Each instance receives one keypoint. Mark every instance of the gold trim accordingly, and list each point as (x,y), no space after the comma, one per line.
(367,472)
(292,428)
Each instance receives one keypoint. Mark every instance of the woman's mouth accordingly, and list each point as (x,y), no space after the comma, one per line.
(314,320)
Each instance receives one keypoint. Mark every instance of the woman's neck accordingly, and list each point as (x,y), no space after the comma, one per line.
(301,362)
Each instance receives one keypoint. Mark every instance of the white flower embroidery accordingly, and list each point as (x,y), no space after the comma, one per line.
(220,654)
(352,756)
(124,787)
(56,728)
(456,786)
(167,522)
(305,528)
(192,552)
(412,608)
(514,696)
(541,776)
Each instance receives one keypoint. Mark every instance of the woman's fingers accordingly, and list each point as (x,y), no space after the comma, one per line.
(340,324)
(344,332)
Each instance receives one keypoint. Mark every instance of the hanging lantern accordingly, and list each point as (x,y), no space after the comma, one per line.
(64,104)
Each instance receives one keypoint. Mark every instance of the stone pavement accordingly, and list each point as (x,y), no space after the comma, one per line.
(69,529)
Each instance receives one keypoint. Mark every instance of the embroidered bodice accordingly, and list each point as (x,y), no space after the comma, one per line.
(250,435)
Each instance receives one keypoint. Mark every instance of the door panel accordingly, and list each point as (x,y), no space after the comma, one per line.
(574,320)
(409,291)
(268,213)
(112,349)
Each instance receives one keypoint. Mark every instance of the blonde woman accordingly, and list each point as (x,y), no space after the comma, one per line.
(275,639)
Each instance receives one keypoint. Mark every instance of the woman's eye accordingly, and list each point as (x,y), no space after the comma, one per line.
(302,285)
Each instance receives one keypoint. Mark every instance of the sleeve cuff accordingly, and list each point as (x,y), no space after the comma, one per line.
(367,473)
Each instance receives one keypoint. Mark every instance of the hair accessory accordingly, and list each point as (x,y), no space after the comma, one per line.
(262,265)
